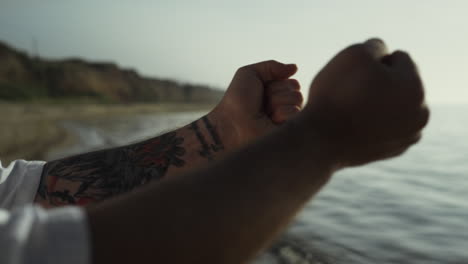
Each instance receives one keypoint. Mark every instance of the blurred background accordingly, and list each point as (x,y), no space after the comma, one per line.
(81,75)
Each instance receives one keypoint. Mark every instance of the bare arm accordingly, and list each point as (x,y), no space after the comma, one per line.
(221,214)
(95,176)
(227,212)
(252,107)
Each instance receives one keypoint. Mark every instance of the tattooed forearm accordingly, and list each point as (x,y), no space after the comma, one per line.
(96,176)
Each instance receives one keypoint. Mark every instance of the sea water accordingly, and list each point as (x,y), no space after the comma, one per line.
(411,209)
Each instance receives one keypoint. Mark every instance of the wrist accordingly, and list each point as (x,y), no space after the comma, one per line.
(239,128)
(307,137)
(221,127)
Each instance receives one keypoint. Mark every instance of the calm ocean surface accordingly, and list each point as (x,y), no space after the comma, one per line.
(412,209)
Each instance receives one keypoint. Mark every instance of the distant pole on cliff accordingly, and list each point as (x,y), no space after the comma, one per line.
(35,48)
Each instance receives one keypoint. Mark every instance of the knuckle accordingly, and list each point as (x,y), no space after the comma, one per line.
(420,119)
(244,70)
(356,48)
(290,97)
(412,94)
(358,53)
(425,116)
(297,96)
(416,91)
(277,114)
(270,62)
(402,54)
(294,83)
(287,110)
(416,138)
(419,95)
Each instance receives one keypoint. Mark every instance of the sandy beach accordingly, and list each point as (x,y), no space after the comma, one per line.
(30,131)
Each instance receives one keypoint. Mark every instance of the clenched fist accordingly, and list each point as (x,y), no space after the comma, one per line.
(367,104)
(260,97)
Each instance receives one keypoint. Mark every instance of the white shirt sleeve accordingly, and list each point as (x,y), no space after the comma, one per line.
(19,183)
(30,234)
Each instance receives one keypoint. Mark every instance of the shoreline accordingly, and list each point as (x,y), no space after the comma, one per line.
(31,131)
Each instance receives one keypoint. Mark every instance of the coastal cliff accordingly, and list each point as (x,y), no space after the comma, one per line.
(24,77)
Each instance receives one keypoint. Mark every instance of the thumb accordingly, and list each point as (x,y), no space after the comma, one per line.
(271,70)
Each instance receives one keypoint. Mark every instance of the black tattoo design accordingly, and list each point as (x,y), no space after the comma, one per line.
(205,151)
(106,173)
(218,145)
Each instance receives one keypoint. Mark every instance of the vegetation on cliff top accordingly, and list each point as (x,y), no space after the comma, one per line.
(24,78)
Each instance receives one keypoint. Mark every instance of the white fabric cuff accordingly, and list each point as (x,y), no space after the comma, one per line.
(67,233)
(19,183)
(33,235)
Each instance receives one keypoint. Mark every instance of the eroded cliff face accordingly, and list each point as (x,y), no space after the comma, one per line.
(23,77)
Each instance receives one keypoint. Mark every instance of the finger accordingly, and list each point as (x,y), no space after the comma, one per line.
(422,119)
(284,113)
(413,122)
(386,150)
(282,85)
(402,64)
(401,61)
(270,70)
(292,97)
(376,48)
(397,147)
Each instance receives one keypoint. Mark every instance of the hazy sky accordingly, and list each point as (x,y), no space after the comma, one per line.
(205,41)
